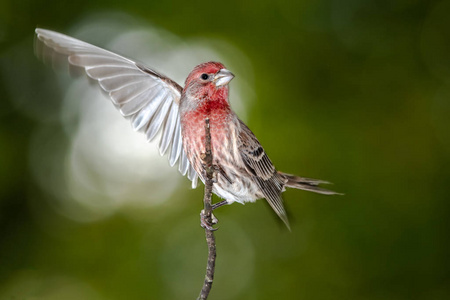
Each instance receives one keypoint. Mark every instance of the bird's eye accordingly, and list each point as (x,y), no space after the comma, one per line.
(204,76)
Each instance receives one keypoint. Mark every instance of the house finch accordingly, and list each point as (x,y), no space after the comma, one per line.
(155,103)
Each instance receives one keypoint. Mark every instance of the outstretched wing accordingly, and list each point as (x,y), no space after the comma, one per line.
(149,99)
(259,165)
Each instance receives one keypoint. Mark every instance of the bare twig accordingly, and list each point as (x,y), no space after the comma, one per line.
(207,217)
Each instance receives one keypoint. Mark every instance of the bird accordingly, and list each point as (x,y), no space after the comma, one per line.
(155,103)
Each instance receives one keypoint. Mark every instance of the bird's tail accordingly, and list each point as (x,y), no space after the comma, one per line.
(307,184)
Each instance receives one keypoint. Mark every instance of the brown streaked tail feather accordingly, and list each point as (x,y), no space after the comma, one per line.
(307,184)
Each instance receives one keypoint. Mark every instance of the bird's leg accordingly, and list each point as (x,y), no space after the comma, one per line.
(214,206)
(219,204)
(214,220)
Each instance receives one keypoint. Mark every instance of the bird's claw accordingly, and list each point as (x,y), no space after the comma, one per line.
(208,224)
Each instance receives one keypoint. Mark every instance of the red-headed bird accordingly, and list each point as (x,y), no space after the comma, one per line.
(154,103)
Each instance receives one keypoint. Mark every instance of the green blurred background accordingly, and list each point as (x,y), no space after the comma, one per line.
(356,92)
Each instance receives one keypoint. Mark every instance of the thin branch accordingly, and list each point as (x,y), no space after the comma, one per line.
(207,216)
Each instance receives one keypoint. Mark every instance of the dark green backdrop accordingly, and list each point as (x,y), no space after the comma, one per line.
(356,92)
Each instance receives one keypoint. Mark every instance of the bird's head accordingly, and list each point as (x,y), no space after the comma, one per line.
(208,81)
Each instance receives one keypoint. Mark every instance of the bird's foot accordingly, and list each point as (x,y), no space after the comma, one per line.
(206,222)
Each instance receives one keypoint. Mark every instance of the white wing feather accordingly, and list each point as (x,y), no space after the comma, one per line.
(149,99)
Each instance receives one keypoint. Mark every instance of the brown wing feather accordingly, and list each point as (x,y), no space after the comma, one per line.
(259,165)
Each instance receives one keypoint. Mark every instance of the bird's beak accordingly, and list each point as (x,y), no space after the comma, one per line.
(223,77)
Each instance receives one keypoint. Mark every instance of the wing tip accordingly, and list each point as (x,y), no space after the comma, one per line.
(285,220)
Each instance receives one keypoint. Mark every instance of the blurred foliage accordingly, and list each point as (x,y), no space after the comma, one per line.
(356,92)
